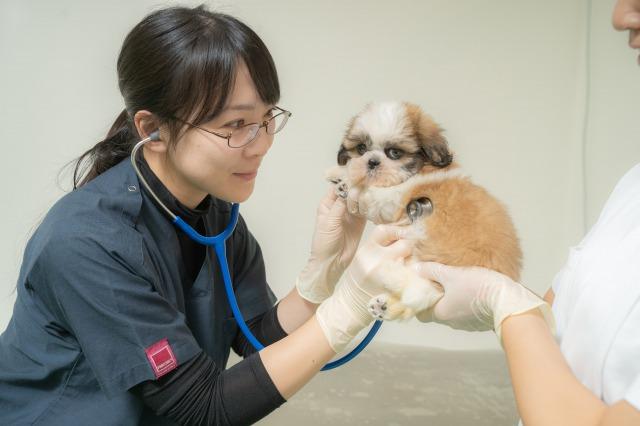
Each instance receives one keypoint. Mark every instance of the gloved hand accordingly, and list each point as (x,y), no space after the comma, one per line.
(345,313)
(478,299)
(335,240)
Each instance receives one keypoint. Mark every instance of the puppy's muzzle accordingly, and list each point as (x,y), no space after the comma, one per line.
(373,163)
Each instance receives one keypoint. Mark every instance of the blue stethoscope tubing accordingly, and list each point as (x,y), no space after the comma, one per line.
(218,244)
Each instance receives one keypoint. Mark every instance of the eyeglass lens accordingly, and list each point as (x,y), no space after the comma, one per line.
(246,134)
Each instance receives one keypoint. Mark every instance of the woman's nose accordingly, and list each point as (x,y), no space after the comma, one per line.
(626,16)
(260,145)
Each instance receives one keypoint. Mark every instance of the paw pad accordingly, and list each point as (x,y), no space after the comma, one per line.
(378,306)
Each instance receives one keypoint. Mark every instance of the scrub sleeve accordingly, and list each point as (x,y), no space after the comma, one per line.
(108,303)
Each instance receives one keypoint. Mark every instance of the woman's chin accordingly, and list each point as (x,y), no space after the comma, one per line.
(241,199)
(235,197)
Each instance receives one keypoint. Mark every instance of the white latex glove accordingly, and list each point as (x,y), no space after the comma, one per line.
(478,299)
(345,313)
(335,240)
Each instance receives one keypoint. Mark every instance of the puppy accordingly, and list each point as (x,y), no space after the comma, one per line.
(394,166)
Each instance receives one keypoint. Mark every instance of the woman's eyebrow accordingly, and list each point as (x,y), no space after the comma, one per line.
(238,107)
(241,107)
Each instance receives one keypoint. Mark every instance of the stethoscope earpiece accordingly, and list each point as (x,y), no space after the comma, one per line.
(154,136)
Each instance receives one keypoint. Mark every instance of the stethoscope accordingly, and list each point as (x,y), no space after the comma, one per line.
(218,243)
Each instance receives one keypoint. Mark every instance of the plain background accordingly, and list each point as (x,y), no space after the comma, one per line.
(538,99)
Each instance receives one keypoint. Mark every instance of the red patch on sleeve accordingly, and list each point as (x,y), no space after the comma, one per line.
(161,358)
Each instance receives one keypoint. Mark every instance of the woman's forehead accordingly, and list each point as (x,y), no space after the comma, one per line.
(244,96)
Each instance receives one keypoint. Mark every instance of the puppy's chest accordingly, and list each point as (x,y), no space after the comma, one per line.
(382,204)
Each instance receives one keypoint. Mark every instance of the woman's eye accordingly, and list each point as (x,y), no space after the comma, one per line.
(394,153)
(235,124)
(361,148)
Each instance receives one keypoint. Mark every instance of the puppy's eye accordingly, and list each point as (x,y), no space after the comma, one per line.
(361,148)
(418,208)
(394,153)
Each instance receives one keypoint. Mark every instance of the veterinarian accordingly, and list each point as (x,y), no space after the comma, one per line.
(121,319)
(592,377)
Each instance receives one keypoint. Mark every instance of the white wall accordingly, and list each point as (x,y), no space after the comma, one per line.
(504,77)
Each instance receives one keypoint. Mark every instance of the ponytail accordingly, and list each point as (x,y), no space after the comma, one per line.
(115,147)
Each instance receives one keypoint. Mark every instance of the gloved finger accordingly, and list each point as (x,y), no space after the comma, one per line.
(338,208)
(331,195)
(355,223)
(425,316)
(328,200)
(387,234)
(399,249)
(325,204)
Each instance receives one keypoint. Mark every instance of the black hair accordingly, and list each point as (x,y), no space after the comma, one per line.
(178,62)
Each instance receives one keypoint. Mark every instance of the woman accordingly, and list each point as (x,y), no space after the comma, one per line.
(122,319)
(593,376)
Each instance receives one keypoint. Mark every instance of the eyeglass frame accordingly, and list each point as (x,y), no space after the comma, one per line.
(264,124)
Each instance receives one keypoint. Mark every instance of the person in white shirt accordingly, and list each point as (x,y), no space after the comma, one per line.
(591,374)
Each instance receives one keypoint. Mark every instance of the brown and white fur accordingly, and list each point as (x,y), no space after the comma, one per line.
(395,165)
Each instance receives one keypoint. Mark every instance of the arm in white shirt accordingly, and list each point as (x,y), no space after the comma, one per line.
(547,393)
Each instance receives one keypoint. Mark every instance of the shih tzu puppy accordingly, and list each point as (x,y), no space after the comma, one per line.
(395,166)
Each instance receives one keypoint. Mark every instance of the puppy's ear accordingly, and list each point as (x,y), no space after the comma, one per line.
(436,151)
(343,156)
(432,142)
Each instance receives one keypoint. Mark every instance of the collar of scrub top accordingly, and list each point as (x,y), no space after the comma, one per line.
(218,243)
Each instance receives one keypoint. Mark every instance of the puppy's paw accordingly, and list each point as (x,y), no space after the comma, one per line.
(378,306)
(385,307)
(342,190)
(338,176)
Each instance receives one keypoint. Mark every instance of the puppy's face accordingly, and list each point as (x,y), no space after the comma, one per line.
(389,142)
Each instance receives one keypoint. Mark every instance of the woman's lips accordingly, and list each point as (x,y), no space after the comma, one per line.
(246,176)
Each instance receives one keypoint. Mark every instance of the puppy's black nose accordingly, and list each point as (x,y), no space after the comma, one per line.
(373,163)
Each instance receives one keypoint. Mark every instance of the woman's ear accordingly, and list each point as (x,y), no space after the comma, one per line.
(146,123)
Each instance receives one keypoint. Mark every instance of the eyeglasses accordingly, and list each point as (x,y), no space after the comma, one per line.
(246,134)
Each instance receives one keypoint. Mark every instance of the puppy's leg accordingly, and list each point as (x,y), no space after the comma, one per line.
(390,276)
(408,292)
(393,277)
(418,295)
(385,307)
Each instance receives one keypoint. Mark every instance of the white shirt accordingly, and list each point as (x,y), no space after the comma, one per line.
(597,299)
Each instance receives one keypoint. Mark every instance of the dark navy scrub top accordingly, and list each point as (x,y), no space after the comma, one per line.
(99,290)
